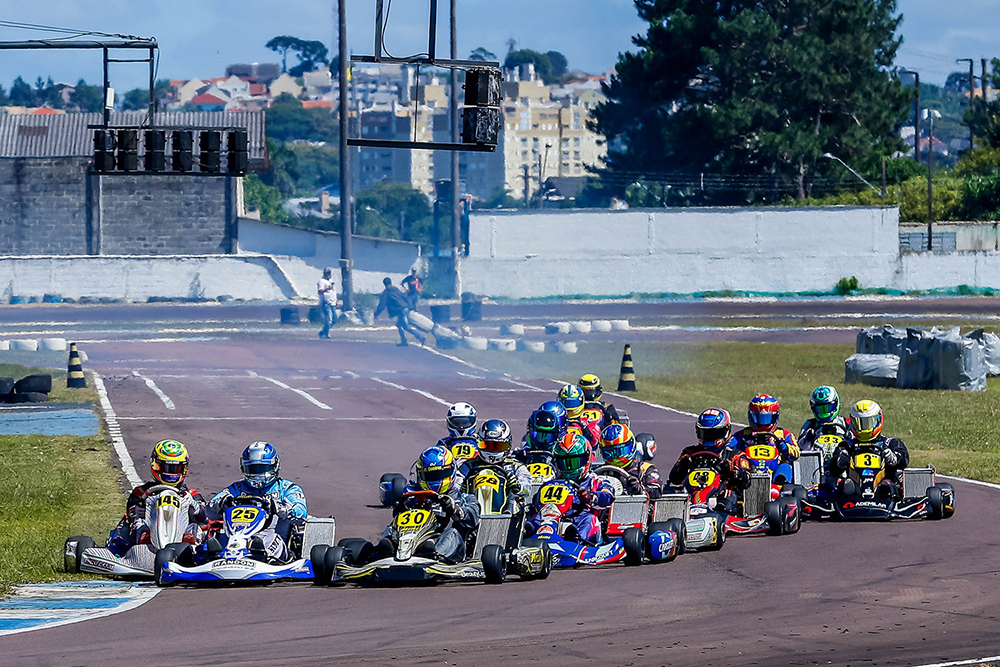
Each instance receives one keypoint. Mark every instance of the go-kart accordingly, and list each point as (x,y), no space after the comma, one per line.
(392,485)
(866,493)
(242,558)
(664,539)
(555,500)
(541,467)
(791,478)
(417,544)
(168,513)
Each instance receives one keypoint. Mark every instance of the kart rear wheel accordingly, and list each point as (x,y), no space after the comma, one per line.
(546,558)
(775,517)
(494,563)
(163,556)
(720,533)
(391,486)
(666,527)
(793,521)
(332,556)
(679,526)
(635,545)
(354,549)
(317,557)
(947,490)
(82,542)
(935,499)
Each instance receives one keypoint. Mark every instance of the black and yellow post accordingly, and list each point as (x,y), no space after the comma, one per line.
(75,379)
(626,378)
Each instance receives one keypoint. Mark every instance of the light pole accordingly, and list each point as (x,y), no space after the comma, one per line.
(346,278)
(930,114)
(831,156)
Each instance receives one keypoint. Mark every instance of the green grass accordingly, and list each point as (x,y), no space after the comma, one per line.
(52,487)
(956,431)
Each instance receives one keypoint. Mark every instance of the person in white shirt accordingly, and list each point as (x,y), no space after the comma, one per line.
(327,301)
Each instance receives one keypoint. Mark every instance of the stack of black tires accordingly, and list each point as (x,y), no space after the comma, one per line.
(30,389)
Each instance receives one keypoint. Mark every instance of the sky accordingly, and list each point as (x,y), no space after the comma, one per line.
(198,38)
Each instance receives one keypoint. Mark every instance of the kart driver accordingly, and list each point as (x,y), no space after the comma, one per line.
(546,426)
(572,398)
(763,413)
(619,449)
(495,451)
(712,429)
(866,431)
(825,404)
(592,495)
(592,392)
(260,465)
(168,464)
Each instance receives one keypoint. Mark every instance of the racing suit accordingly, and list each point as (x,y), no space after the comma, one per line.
(894,453)
(591,430)
(781,438)
(735,473)
(608,414)
(812,429)
(134,526)
(290,501)
(646,477)
(518,477)
(451,543)
(593,495)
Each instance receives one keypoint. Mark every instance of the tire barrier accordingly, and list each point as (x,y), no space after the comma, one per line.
(580,327)
(52,344)
(290,316)
(511,329)
(4,344)
(475,343)
(564,347)
(34,384)
(502,344)
(620,325)
(76,378)
(626,376)
(557,328)
(601,326)
(24,345)
(531,345)
(441,313)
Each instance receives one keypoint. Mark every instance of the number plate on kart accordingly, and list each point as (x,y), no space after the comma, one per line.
(168,499)
(488,479)
(592,415)
(702,478)
(762,452)
(463,450)
(541,471)
(867,461)
(412,519)
(554,494)
(240,515)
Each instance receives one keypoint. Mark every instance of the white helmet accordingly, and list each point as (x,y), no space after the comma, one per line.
(461,419)
(494,441)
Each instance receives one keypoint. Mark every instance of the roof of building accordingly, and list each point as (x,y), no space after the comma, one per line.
(206,98)
(67,135)
(317,104)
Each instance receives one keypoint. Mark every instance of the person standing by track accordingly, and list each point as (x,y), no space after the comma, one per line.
(328,302)
(398,306)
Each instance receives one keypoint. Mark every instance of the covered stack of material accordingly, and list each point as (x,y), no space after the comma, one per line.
(877,370)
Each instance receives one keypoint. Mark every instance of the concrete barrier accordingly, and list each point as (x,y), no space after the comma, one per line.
(531,345)
(557,328)
(512,329)
(4,344)
(620,325)
(565,347)
(53,344)
(475,343)
(602,326)
(24,345)
(580,327)
(502,344)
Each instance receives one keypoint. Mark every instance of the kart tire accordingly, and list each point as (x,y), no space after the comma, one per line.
(6,386)
(546,557)
(164,555)
(184,553)
(494,563)
(332,556)
(793,524)
(36,384)
(799,491)
(391,487)
(29,397)
(775,517)
(947,488)
(635,546)
(82,542)
(317,557)
(935,499)
(679,526)
(354,549)
(720,534)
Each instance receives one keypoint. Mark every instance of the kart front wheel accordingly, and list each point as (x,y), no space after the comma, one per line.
(82,542)
(546,558)
(163,556)
(948,492)
(775,517)
(331,558)
(679,526)
(317,557)
(494,563)
(720,533)
(635,546)
(935,499)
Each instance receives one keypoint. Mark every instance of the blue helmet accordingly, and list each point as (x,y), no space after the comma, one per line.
(259,464)
(713,427)
(435,469)
(558,410)
(544,430)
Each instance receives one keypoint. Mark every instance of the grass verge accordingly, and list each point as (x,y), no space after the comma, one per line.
(52,487)
(956,431)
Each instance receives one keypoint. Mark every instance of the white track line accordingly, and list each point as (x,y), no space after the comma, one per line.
(140,594)
(308,397)
(423,393)
(115,432)
(958,663)
(156,390)
(977,482)
(321,419)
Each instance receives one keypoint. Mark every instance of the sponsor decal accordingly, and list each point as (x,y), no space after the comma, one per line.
(99,564)
(234,563)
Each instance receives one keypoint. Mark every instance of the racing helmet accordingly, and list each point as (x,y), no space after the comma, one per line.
(763,412)
(618,447)
(825,404)
(558,411)
(461,418)
(435,469)
(260,464)
(591,386)
(168,462)
(571,396)
(866,420)
(572,456)
(494,441)
(713,427)
(543,430)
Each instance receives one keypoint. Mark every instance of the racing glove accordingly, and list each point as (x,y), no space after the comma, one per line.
(585,496)
(635,485)
(842,460)
(890,457)
(451,508)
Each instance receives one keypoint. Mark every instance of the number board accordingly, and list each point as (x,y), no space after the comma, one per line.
(592,415)
(243,514)
(412,519)
(541,471)
(487,478)
(168,499)
(553,494)
(702,478)
(828,440)
(867,461)
(463,450)
(762,452)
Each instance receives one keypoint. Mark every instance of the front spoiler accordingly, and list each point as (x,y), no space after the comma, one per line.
(236,569)
(390,570)
(571,554)
(852,509)
(138,562)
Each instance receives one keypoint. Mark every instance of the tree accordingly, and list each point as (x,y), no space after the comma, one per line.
(543,66)
(264,198)
(287,120)
(137,99)
(559,64)
(482,55)
(87,98)
(756,91)
(4,100)
(21,94)
(382,207)
(310,53)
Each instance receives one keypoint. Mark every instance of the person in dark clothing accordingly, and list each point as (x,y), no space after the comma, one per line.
(414,285)
(398,306)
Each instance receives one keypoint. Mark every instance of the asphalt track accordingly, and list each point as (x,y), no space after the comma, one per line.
(844,594)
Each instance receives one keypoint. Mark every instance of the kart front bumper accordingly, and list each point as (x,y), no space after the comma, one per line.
(236,569)
(138,562)
(416,569)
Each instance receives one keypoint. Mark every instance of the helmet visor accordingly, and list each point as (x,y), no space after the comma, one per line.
(764,419)
(865,426)
(495,446)
(618,452)
(572,402)
(170,472)
(435,474)
(257,468)
(572,463)
(462,422)
(544,438)
(824,411)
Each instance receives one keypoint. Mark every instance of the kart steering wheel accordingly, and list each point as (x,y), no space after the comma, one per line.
(621,475)
(158,488)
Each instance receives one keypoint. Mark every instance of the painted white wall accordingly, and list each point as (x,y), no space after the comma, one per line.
(599,252)
(139,277)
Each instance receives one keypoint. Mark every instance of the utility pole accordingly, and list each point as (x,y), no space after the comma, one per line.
(526,181)
(930,182)
(456,221)
(982,80)
(972,92)
(345,163)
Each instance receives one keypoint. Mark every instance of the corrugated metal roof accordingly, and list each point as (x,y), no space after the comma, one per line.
(66,135)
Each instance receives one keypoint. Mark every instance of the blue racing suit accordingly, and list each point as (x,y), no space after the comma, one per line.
(290,501)
(788,450)
(593,495)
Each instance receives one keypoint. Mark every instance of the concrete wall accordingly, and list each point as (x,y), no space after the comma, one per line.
(556,253)
(303,254)
(138,278)
(966,235)
(50,206)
